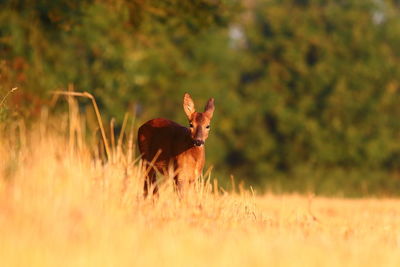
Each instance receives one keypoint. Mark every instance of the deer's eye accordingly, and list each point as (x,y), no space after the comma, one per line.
(208,126)
(190,125)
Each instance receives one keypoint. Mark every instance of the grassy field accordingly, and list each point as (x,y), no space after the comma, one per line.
(61,207)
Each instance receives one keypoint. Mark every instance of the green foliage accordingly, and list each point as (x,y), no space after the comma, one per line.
(325,83)
(306,91)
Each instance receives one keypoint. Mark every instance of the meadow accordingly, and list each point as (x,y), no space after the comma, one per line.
(61,204)
(306,119)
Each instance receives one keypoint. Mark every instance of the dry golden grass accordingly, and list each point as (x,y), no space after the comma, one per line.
(61,207)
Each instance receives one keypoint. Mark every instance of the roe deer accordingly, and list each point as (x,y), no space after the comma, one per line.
(167,146)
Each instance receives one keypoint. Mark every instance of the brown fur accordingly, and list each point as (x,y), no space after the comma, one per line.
(175,144)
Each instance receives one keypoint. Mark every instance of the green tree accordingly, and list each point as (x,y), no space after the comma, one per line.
(306,91)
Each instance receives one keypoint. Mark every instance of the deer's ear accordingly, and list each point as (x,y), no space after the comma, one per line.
(209,109)
(188,105)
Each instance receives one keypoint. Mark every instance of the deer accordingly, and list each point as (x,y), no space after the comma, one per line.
(167,147)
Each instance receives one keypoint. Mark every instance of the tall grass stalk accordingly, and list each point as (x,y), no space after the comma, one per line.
(62,206)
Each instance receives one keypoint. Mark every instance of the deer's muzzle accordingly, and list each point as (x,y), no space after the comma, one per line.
(198,142)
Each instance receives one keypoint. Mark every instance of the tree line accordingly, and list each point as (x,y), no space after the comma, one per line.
(306,91)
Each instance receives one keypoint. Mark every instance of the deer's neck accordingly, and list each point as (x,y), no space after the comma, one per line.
(197,152)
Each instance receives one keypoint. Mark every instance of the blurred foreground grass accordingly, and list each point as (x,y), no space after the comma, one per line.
(60,205)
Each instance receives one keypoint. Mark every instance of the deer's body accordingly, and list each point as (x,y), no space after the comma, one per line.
(170,148)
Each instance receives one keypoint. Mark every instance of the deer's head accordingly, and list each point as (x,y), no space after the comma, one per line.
(199,122)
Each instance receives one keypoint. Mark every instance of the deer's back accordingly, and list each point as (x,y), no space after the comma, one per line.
(165,135)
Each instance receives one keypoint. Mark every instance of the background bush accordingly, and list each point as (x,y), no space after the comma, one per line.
(306,91)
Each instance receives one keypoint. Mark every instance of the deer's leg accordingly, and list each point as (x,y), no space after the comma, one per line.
(180,185)
(176,183)
(177,176)
(149,182)
(191,184)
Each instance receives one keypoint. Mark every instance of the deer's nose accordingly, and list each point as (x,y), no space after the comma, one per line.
(198,142)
